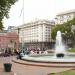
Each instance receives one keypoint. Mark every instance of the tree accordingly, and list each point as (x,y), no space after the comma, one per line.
(66,30)
(5,6)
(57,28)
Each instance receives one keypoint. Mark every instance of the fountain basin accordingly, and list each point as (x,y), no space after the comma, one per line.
(49,59)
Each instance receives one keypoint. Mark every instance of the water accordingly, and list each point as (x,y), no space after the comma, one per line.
(59,47)
(50,59)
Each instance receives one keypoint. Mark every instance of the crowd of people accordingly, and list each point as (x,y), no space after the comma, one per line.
(31,52)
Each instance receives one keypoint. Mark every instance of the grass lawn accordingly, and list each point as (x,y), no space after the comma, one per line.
(71,50)
(70,72)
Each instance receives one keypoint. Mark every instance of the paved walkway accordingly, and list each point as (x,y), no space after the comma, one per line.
(2,72)
(36,69)
(19,69)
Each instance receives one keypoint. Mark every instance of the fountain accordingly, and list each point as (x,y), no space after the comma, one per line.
(59,47)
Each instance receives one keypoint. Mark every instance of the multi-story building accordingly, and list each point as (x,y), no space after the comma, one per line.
(65,16)
(8,40)
(36,34)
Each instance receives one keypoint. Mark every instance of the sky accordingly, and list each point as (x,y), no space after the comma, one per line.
(36,9)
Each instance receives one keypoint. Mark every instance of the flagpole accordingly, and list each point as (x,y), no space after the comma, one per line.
(23,24)
(23,11)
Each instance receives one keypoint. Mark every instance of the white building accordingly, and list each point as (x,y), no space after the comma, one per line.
(65,16)
(73,28)
(36,34)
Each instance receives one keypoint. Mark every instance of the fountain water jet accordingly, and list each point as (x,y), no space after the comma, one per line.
(59,47)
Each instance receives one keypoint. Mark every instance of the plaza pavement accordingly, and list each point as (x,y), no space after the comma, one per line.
(2,61)
(19,69)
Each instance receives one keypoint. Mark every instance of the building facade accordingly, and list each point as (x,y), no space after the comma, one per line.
(8,40)
(35,35)
(65,16)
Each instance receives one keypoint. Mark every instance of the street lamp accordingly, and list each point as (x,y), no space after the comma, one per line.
(18,31)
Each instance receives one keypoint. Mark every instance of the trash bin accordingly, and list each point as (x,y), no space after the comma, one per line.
(7,67)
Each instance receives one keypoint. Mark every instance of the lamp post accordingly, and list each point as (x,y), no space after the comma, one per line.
(18,35)
(18,30)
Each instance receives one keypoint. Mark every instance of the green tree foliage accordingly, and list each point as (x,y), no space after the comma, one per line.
(5,6)
(57,28)
(66,30)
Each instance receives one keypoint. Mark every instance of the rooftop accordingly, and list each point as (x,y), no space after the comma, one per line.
(36,22)
(66,12)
